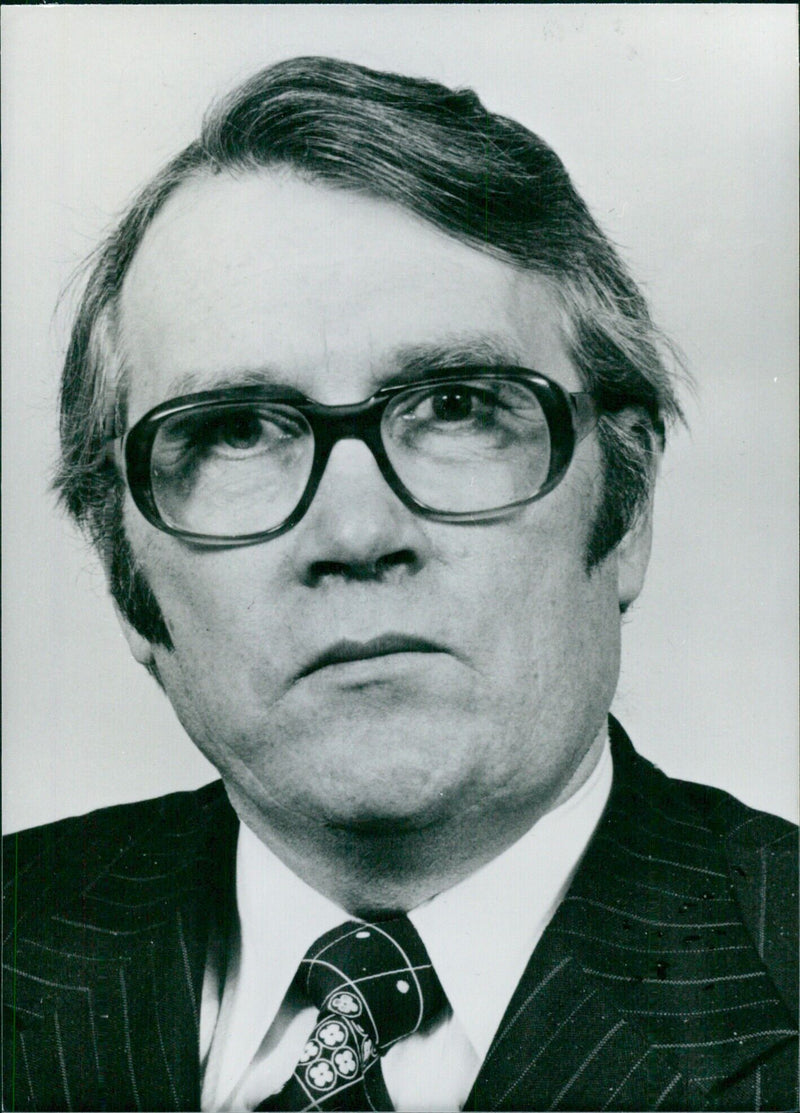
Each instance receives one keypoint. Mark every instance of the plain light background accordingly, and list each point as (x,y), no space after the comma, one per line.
(679,126)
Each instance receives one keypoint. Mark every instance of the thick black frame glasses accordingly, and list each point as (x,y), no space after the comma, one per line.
(569,417)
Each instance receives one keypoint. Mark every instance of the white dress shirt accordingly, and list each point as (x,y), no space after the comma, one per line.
(479,935)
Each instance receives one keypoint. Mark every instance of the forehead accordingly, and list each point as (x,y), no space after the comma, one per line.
(265,275)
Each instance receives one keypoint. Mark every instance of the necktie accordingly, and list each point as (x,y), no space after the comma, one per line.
(373,984)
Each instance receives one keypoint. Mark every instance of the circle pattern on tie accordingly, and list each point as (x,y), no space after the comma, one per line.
(345,1062)
(321,1075)
(310,1051)
(346,1004)
(332,1034)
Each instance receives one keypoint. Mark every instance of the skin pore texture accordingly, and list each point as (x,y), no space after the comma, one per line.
(379,781)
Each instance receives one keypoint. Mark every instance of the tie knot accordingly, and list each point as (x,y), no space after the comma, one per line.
(377,976)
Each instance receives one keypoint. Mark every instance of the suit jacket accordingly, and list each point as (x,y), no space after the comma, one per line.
(664,981)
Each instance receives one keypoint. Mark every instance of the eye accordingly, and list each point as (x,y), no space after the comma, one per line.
(457,403)
(467,415)
(458,407)
(239,430)
(228,434)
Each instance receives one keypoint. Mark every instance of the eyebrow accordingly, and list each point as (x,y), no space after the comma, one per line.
(193,381)
(484,350)
(407,363)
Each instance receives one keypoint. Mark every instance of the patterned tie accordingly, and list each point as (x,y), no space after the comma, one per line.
(373,984)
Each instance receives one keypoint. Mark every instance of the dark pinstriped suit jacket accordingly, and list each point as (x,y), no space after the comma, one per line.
(664,980)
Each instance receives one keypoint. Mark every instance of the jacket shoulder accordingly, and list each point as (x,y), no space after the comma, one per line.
(45,867)
(733,820)
(761,853)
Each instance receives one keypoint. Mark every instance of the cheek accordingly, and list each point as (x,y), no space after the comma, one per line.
(200,591)
(220,607)
(552,619)
(533,567)
(549,626)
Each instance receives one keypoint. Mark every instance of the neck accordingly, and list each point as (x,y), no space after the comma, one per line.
(376,869)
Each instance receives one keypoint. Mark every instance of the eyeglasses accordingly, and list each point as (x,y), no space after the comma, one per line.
(242,464)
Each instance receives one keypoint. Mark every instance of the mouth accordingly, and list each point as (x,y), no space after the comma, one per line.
(343,652)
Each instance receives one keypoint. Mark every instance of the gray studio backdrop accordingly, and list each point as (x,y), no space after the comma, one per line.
(678,124)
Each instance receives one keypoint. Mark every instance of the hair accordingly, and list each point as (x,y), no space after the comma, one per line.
(479,177)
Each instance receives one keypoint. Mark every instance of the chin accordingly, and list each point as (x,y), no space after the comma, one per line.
(397,801)
(365,777)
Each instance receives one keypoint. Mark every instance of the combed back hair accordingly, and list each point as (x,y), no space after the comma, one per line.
(477,176)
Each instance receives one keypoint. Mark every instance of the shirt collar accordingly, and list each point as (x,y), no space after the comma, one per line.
(479,955)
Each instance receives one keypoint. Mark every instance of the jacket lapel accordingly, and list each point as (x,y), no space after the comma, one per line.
(115,1026)
(564,1045)
(646,990)
(193,868)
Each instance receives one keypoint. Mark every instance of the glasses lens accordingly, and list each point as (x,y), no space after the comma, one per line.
(469,445)
(229,470)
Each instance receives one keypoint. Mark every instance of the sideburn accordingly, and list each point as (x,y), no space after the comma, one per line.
(131,591)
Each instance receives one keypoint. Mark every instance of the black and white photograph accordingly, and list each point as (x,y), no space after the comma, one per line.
(452,763)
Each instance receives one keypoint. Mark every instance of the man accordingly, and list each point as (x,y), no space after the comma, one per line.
(363,413)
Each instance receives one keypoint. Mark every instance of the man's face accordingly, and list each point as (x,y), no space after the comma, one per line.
(328,292)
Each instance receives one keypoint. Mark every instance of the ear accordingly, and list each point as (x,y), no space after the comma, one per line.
(633,555)
(139,646)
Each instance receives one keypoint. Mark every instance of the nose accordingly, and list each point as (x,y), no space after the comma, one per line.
(356,527)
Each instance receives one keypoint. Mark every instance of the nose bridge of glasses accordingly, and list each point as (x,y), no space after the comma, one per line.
(359,421)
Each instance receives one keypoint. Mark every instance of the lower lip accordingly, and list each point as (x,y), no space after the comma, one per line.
(372,669)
